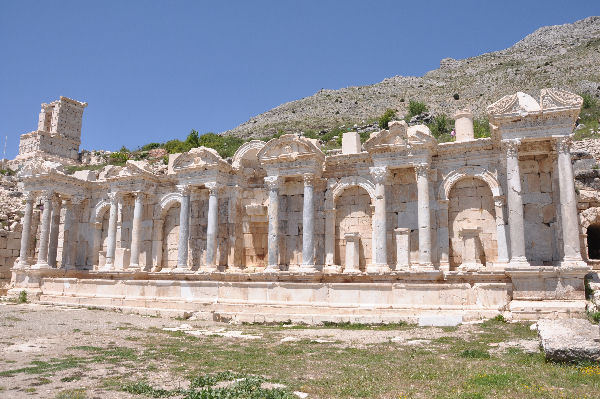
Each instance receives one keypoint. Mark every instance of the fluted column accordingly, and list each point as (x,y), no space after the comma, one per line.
(515,205)
(423,215)
(111,244)
(136,230)
(26,234)
(379,263)
(71,233)
(568,204)
(273,183)
(212,226)
(308,225)
(501,230)
(184,227)
(54,229)
(42,262)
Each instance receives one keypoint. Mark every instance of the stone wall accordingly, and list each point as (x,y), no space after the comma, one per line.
(591,146)
(353,215)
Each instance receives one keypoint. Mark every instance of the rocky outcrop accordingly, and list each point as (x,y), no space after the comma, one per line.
(570,340)
(553,56)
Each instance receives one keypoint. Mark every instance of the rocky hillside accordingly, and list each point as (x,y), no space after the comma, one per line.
(565,56)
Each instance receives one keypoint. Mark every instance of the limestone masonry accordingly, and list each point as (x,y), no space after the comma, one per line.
(399,228)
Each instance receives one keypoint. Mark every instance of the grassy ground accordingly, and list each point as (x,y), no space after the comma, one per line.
(146,361)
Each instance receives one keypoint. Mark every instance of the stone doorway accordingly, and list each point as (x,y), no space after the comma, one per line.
(353,215)
(593,241)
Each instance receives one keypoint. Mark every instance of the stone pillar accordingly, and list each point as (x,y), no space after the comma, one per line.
(568,205)
(424,215)
(352,262)
(212,226)
(273,184)
(402,248)
(443,235)
(515,205)
(470,254)
(111,244)
(54,229)
(96,245)
(330,241)
(308,225)
(71,234)
(184,227)
(42,262)
(136,229)
(501,230)
(26,234)
(379,263)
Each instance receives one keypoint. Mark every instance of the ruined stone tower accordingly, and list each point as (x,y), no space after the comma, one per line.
(58,135)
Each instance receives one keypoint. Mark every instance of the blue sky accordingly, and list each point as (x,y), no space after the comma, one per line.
(153,70)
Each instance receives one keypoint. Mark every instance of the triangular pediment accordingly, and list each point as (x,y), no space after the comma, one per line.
(557,100)
(199,159)
(290,147)
(399,137)
(514,105)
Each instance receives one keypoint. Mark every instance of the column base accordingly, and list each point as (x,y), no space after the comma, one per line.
(208,269)
(180,269)
(306,269)
(378,268)
(272,269)
(518,263)
(423,266)
(572,263)
(38,266)
(332,269)
(351,270)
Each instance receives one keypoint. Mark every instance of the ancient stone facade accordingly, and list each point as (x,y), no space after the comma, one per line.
(58,135)
(399,228)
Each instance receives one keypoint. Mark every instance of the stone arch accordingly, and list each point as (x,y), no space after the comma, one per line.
(99,210)
(346,182)
(589,220)
(165,203)
(99,224)
(471,206)
(247,151)
(469,171)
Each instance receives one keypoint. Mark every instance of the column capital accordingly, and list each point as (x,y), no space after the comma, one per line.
(379,173)
(309,179)
(273,182)
(511,147)
(563,144)
(77,199)
(213,188)
(29,196)
(422,170)
(184,189)
(114,197)
(47,195)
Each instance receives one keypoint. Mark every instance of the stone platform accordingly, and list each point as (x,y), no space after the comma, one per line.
(298,297)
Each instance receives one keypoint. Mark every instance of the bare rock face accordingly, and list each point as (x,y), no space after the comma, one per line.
(558,56)
(570,340)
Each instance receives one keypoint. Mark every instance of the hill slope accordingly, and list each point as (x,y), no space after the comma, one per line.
(565,56)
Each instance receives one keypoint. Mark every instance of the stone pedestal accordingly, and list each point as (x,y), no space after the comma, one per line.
(402,236)
(470,253)
(352,262)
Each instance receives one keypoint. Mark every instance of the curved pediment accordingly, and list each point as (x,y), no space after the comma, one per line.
(289,147)
(247,154)
(399,136)
(199,158)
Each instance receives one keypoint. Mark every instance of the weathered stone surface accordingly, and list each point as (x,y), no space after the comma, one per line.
(570,340)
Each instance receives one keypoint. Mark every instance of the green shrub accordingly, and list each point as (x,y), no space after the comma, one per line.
(588,101)
(150,146)
(441,128)
(7,172)
(416,108)
(118,158)
(385,119)
(500,318)
(481,128)
(22,298)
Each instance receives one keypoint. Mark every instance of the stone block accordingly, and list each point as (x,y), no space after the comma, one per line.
(351,143)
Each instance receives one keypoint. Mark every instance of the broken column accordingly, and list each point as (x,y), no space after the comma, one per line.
(463,125)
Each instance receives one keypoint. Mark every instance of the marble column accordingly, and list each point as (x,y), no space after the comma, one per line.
(568,205)
(26,233)
(212,226)
(42,262)
(54,229)
(71,233)
(501,230)
(515,205)
(184,227)
(423,215)
(273,183)
(379,263)
(111,244)
(136,229)
(308,225)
